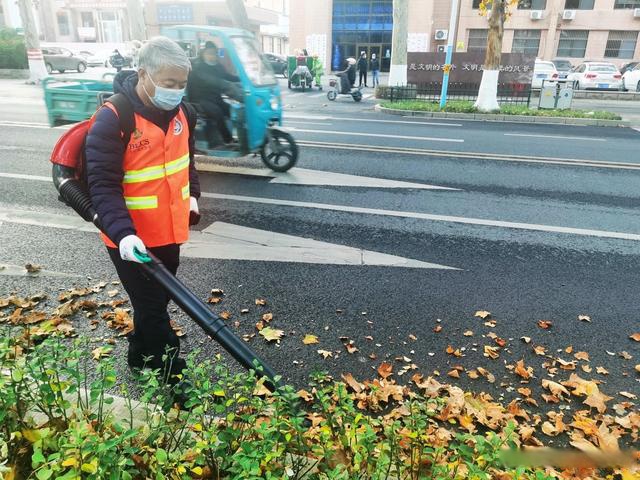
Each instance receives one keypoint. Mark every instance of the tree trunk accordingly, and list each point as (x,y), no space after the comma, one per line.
(398,73)
(37,69)
(137,27)
(239,14)
(488,94)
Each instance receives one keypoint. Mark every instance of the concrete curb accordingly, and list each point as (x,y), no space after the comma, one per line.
(490,117)
(13,74)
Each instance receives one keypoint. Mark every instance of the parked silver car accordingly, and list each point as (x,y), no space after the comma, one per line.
(61,59)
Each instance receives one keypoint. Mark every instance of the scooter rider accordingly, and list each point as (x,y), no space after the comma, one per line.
(145,190)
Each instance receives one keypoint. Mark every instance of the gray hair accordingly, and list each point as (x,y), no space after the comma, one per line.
(160,52)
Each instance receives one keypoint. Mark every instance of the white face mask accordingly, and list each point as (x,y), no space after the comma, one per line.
(165,98)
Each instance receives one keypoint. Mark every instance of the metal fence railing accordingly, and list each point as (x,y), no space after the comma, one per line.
(508,93)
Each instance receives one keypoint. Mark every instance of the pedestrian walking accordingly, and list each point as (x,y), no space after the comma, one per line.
(363,65)
(375,70)
(144,192)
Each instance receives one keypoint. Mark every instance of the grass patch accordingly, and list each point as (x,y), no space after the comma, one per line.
(467,107)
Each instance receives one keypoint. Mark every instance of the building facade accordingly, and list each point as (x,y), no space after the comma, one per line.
(577,30)
(268,19)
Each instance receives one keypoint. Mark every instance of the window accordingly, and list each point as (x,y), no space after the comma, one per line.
(627,4)
(532,4)
(475,4)
(621,44)
(526,41)
(63,24)
(578,4)
(86,19)
(573,43)
(477,39)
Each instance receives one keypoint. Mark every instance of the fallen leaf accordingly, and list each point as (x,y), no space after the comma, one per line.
(584,318)
(385,370)
(217,292)
(487,374)
(32,268)
(177,328)
(626,355)
(437,328)
(526,392)
(522,371)
(490,324)
(353,383)
(413,337)
(581,356)
(540,350)
(473,374)
(526,339)
(454,373)
(326,354)
(214,300)
(244,310)
(491,352)
(635,337)
(454,351)
(501,342)
(638,368)
(112,293)
(271,334)
(602,371)
(310,339)
(225,315)
(261,302)
(545,324)
(555,388)
(586,368)
(483,314)
(267,317)
(101,352)
(306,396)
(569,349)
(468,333)
(628,395)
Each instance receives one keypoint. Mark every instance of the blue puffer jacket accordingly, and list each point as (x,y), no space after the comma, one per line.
(105,151)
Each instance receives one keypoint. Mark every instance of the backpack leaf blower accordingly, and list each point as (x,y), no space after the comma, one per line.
(67,178)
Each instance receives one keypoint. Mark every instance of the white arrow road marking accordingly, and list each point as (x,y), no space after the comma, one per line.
(19,271)
(429,216)
(233,242)
(303,176)
(375,135)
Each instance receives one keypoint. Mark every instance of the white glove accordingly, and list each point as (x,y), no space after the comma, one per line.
(193,205)
(127,244)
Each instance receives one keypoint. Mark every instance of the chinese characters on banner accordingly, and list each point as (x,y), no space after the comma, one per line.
(467,67)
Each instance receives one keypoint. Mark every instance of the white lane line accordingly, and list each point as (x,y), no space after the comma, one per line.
(376,135)
(41,126)
(300,122)
(303,176)
(22,176)
(559,137)
(429,216)
(20,271)
(372,120)
(470,155)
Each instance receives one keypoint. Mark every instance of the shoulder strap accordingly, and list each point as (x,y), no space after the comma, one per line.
(191,114)
(125,115)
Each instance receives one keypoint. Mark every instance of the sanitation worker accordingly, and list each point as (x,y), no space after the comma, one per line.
(144,192)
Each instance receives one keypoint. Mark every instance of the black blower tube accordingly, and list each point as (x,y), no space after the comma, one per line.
(75,195)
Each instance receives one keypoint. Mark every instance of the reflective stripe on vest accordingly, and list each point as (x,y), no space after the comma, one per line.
(186,191)
(141,203)
(158,171)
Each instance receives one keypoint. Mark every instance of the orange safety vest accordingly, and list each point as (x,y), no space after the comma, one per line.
(156,181)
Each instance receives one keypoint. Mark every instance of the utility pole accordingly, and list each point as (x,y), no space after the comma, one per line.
(37,68)
(453,30)
(137,26)
(239,14)
(398,73)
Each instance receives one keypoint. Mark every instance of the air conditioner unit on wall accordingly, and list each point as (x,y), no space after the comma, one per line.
(536,14)
(442,48)
(569,15)
(441,34)
(636,12)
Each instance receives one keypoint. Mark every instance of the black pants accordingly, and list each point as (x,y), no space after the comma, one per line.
(363,74)
(152,334)
(216,122)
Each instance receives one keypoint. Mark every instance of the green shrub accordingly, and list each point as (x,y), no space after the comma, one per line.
(13,53)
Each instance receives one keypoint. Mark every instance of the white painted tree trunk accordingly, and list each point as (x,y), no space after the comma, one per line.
(488,94)
(37,68)
(398,72)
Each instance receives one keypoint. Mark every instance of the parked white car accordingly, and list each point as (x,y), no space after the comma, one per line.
(631,79)
(596,75)
(543,71)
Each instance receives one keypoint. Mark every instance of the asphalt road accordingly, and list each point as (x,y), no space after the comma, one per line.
(537,222)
